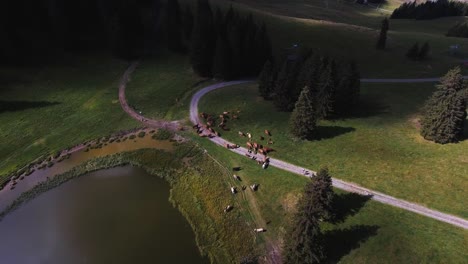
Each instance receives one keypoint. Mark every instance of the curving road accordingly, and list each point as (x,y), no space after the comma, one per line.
(347,186)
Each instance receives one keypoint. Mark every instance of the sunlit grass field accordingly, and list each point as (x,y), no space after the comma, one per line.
(378,147)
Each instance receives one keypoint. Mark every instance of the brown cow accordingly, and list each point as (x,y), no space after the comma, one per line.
(225,113)
(262,138)
(267,132)
(270,141)
(255,145)
(249,145)
(241,134)
(267,149)
(261,151)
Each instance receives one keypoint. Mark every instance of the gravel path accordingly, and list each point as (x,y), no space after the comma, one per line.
(347,186)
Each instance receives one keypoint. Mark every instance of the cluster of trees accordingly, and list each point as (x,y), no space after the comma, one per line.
(47,27)
(227,45)
(430,9)
(418,53)
(314,86)
(444,113)
(459,30)
(304,242)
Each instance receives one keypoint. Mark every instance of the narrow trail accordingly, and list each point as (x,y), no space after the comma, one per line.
(340,184)
(169,125)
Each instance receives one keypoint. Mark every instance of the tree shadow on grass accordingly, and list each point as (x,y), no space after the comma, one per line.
(340,242)
(347,204)
(327,132)
(14,106)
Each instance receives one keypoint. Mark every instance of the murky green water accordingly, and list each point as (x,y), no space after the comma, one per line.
(119,215)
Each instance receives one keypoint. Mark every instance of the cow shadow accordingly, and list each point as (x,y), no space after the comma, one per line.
(340,242)
(345,205)
(14,106)
(328,132)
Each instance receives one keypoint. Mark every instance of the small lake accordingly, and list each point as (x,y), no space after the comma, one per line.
(119,215)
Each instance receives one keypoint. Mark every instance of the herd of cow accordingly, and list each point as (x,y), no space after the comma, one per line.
(253,148)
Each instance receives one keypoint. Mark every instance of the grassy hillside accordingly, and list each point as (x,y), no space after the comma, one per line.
(365,231)
(379,147)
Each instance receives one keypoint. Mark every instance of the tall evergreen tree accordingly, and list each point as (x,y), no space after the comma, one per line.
(348,89)
(322,194)
(382,41)
(174,29)
(281,91)
(326,99)
(303,119)
(203,40)
(266,80)
(444,113)
(222,60)
(303,245)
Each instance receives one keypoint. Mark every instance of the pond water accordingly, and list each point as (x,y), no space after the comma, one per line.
(119,215)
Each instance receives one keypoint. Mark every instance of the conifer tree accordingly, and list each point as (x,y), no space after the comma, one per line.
(326,99)
(322,193)
(303,245)
(203,40)
(174,26)
(413,52)
(444,113)
(382,41)
(424,51)
(348,89)
(266,80)
(222,63)
(303,119)
(188,21)
(281,92)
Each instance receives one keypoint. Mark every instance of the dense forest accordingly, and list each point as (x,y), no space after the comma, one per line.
(430,9)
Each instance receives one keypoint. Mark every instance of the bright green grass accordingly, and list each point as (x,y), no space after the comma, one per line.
(380,148)
(371,232)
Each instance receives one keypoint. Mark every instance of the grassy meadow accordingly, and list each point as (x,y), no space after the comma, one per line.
(378,147)
(363,231)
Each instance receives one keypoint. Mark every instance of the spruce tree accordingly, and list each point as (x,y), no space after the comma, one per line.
(382,41)
(322,193)
(424,51)
(303,245)
(203,40)
(174,29)
(326,99)
(222,63)
(303,119)
(266,80)
(413,52)
(444,113)
(348,89)
(188,21)
(281,91)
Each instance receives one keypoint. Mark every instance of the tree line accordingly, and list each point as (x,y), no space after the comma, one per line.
(227,45)
(459,30)
(313,87)
(430,9)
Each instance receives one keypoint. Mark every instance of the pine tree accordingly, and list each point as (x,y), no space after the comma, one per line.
(348,89)
(266,80)
(322,193)
(444,113)
(303,119)
(424,51)
(326,99)
(382,41)
(280,92)
(413,52)
(203,40)
(222,63)
(303,245)
(235,42)
(174,26)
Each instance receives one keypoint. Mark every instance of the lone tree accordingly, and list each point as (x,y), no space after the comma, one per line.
(322,193)
(382,41)
(444,113)
(303,119)
(305,239)
(266,80)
